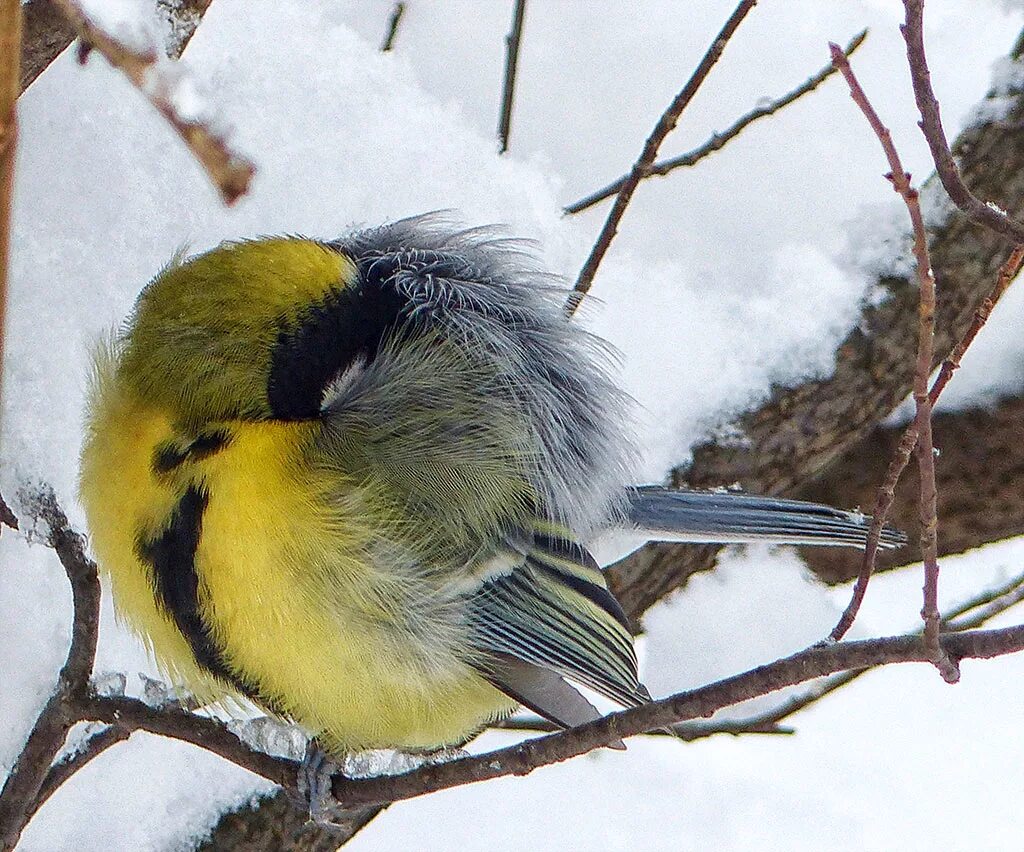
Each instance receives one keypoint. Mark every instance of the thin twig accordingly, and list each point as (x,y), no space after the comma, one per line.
(985,605)
(512,42)
(10,53)
(1007,273)
(58,715)
(524,757)
(987,214)
(62,770)
(641,167)
(900,180)
(922,440)
(886,492)
(686,731)
(720,140)
(396,18)
(162,82)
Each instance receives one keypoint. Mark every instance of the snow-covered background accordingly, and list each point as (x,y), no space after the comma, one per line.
(725,278)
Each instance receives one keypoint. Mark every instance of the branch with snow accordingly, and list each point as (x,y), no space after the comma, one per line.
(47,32)
(23,785)
(171,91)
(36,775)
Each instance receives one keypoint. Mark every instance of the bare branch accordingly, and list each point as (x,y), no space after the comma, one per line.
(162,82)
(987,214)
(22,787)
(397,11)
(923,421)
(48,32)
(524,757)
(10,50)
(685,731)
(815,662)
(719,140)
(512,41)
(34,778)
(919,434)
(792,438)
(62,770)
(987,604)
(642,166)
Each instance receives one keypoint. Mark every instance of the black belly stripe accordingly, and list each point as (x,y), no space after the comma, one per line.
(172,556)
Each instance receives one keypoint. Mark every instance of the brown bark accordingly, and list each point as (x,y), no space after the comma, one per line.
(277,824)
(980,483)
(47,32)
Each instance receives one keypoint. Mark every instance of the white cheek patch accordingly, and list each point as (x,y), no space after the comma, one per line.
(338,387)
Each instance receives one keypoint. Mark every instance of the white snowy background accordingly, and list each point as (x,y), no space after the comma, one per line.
(725,278)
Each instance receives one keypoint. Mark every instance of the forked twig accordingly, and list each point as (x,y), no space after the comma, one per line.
(918,434)
(642,166)
(987,214)
(719,140)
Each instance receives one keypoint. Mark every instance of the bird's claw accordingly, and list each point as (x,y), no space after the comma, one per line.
(315,784)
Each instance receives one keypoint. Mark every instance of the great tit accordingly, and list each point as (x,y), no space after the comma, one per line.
(352,480)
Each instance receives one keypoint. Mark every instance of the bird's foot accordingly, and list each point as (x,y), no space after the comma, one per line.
(315,783)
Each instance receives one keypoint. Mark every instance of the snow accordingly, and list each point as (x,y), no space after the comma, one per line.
(724,279)
(131,22)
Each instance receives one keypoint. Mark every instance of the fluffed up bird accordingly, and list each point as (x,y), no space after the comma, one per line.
(351,480)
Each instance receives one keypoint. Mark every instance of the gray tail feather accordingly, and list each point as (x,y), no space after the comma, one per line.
(727,517)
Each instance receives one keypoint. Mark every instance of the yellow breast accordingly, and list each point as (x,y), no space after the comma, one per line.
(284,585)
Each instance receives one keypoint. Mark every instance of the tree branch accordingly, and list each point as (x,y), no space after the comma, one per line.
(163,84)
(815,662)
(719,140)
(641,167)
(508,89)
(48,32)
(791,440)
(24,783)
(397,11)
(984,213)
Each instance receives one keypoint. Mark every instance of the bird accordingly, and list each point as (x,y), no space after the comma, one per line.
(352,480)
